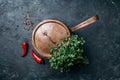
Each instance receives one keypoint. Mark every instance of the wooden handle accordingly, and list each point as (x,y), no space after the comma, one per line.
(85,23)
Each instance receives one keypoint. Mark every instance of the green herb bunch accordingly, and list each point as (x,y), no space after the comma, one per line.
(68,53)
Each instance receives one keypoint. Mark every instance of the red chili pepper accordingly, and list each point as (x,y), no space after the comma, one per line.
(37,58)
(25,48)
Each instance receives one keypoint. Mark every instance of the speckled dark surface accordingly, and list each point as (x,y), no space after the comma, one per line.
(102,38)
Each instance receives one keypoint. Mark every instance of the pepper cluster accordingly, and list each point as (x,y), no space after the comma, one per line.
(25,50)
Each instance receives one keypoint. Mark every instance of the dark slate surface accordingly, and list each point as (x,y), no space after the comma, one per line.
(102,38)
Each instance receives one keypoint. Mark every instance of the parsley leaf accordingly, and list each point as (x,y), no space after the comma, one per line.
(67,53)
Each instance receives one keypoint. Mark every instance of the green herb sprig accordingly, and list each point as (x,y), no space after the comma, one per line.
(68,53)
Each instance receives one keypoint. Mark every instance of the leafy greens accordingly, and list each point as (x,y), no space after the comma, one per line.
(67,53)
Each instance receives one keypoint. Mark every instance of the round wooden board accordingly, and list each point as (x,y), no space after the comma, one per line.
(47,35)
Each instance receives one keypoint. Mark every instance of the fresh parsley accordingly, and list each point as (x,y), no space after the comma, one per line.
(67,53)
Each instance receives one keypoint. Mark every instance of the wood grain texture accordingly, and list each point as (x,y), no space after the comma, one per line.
(47,35)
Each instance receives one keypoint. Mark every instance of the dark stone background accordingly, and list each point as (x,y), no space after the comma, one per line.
(102,38)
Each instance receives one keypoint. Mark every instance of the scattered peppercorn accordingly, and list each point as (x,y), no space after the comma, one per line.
(28,23)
